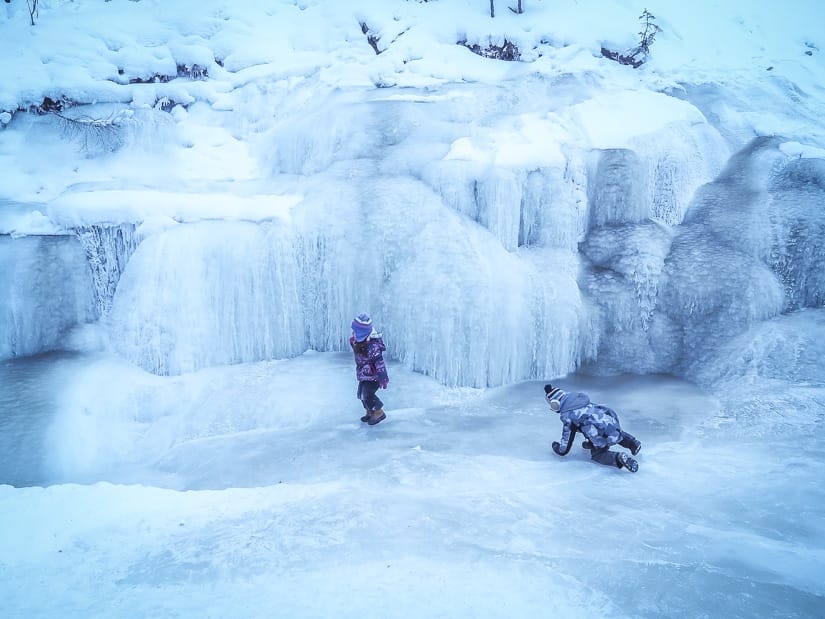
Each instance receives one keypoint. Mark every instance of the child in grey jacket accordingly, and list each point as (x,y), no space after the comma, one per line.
(599,424)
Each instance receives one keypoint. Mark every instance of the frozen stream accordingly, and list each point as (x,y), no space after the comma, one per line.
(259,480)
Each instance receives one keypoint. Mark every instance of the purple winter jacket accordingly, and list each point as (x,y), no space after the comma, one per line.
(370,366)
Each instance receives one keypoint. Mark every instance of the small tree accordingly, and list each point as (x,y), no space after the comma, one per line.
(32,4)
(648,35)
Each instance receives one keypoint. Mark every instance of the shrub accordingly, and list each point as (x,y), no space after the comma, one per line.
(647,36)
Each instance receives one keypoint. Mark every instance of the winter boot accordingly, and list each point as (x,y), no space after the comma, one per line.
(587,445)
(636,447)
(625,461)
(366,417)
(376,417)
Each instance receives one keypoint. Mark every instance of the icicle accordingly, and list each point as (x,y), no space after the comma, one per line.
(616,189)
(627,263)
(108,249)
(797,222)
(209,293)
(678,160)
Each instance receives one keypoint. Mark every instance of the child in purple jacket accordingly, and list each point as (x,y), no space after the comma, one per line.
(370,370)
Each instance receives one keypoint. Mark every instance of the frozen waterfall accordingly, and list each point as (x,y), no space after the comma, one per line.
(483,263)
(206,294)
(797,223)
(45,291)
(225,292)
(749,248)
(108,249)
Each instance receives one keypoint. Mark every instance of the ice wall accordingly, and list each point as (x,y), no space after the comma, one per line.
(617,188)
(453,303)
(748,250)
(676,161)
(487,195)
(209,293)
(503,170)
(656,176)
(45,290)
(623,278)
(455,218)
(788,348)
(637,197)
(108,249)
(797,220)
(717,282)
(540,188)
(750,247)
(490,244)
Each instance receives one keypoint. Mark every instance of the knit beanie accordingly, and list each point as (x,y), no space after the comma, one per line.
(553,395)
(362,327)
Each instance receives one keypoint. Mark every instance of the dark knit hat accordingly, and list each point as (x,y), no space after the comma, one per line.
(362,327)
(553,396)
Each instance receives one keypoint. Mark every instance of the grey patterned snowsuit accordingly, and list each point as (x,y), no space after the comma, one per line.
(599,424)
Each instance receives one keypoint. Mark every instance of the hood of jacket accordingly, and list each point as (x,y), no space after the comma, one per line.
(573,401)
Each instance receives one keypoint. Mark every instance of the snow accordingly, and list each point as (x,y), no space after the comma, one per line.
(181,254)
(801,150)
(21,220)
(116,206)
(614,119)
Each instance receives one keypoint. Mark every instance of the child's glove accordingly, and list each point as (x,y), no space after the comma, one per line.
(384,383)
(556,448)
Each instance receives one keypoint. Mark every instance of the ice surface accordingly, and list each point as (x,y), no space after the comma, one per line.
(229,488)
